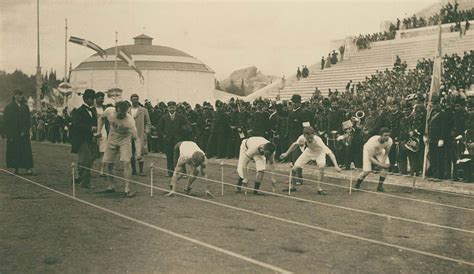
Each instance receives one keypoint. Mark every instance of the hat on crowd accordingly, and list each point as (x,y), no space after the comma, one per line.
(296,98)
(171,103)
(17,92)
(89,93)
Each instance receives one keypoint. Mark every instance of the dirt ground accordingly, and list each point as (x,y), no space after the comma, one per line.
(43,232)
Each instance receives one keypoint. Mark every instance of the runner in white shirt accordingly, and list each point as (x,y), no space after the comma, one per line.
(259,150)
(376,151)
(187,156)
(122,131)
(315,150)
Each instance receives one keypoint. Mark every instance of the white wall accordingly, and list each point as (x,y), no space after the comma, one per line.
(159,85)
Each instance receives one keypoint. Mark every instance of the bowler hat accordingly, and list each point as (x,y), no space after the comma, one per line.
(296,98)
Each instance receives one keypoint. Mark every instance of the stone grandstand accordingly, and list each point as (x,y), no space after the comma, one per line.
(381,55)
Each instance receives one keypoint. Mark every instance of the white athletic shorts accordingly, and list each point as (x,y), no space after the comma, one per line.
(367,165)
(306,156)
(244,160)
(112,151)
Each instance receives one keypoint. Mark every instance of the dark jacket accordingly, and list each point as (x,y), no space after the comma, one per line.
(17,129)
(82,124)
(438,127)
(174,130)
(17,120)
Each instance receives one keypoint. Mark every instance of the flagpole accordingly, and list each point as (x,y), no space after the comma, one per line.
(38,67)
(115,63)
(434,87)
(65,52)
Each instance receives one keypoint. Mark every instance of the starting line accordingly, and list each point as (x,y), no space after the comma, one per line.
(215,248)
(343,234)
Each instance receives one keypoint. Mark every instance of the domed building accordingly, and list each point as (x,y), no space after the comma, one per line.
(169,74)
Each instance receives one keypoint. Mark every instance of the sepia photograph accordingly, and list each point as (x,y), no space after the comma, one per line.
(236,136)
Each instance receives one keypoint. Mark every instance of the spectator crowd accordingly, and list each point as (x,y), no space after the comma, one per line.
(449,13)
(394,98)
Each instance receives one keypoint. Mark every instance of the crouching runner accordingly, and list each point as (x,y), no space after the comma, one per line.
(259,150)
(187,156)
(376,151)
(315,150)
(119,142)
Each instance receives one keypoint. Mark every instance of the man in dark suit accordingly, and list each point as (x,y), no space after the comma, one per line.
(17,129)
(173,128)
(296,117)
(437,134)
(84,125)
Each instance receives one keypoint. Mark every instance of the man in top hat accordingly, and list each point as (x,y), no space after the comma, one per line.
(297,119)
(143,124)
(17,129)
(173,127)
(84,125)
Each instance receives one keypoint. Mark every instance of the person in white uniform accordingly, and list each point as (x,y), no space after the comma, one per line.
(102,141)
(259,150)
(375,153)
(119,142)
(187,157)
(315,150)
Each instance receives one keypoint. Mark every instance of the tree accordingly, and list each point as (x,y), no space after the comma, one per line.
(16,80)
(242,87)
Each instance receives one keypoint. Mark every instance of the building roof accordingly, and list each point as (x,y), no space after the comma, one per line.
(142,36)
(146,50)
(146,57)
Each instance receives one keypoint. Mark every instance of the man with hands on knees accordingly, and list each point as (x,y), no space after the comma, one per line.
(375,153)
(315,150)
(259,150)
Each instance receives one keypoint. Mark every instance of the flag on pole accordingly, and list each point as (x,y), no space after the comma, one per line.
(127,58)
(89,44)
(434,91)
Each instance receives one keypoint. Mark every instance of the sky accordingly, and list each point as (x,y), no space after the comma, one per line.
(274,36)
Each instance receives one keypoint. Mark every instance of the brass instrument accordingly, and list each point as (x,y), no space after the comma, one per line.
(360,114)
(413,142)
(332,138)
(357,118)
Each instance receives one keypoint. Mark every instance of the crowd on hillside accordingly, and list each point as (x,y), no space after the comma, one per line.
(392,98)
(449,13)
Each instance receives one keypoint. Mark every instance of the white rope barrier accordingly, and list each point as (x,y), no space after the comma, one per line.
(304,200)
(371,181)
(215,248)
(152,167)
(339,175)
(222,178)
(368,191)
(347,235)
(73,170)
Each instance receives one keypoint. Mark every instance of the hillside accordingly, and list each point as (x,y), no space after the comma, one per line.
(245,81)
